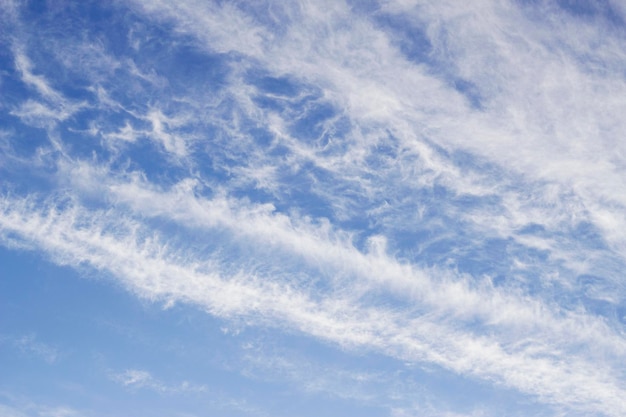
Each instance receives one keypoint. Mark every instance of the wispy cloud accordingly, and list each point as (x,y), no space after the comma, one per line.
(10,411)
(58,107)
(29,345)
(24,408)
(146,266)
(437,183)
(140,379)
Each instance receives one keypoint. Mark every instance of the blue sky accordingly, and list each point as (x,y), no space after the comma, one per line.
(365,208)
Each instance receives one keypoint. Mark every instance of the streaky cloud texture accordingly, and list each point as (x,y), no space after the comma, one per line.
(397,208)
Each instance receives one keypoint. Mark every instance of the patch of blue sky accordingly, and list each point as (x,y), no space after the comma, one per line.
(311,125)
(200,72)
(107,342)
(410,36)
(312,119)
(300,193)
(98,344)
(602,9)
(13,91)
(276,87)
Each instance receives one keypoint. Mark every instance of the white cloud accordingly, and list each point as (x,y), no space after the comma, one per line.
(146,267)
(172,143)
(28,344)
(10,411)
(41,115)
(56,108)
(24,65)
(333,251)
(224,26)
(528,126)
(60,412)
(140,379)
(546,138)
(30,409)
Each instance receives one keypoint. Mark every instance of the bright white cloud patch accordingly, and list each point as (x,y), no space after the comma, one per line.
(340,208)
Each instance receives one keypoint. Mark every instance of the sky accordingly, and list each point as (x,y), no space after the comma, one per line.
(365,208)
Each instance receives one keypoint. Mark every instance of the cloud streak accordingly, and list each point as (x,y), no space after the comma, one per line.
(140,379)
(148,268)
(436,183)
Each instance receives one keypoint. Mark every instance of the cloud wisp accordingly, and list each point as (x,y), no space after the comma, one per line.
(140,379)
(29,345)
(147,267)
(439,184)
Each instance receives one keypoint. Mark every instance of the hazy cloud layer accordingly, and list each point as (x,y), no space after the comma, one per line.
(436,184)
